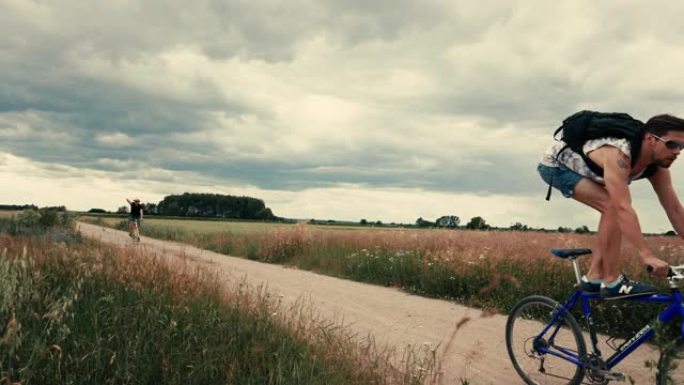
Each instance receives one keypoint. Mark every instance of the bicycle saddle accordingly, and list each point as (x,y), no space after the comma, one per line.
(570,253)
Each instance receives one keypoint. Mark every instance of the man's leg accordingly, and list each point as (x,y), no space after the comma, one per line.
(615,285)
(606,259)
(136,229)
(609,242)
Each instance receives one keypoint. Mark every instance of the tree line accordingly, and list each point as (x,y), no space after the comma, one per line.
(479,223)
(207,205)
(30,207)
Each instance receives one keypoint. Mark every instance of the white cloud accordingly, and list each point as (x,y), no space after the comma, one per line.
(114,139)
(34,125)
(452,101)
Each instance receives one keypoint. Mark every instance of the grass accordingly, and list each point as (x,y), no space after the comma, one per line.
(78,312)
(490,270)
(198,226)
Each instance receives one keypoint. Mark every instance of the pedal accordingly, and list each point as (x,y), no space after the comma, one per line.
(611,376)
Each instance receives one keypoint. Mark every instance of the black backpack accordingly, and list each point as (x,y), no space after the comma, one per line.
(585,125)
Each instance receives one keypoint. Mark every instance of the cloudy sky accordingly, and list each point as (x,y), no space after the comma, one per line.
(383,110)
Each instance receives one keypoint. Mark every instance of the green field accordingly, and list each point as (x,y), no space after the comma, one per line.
(197,226)
(234,227)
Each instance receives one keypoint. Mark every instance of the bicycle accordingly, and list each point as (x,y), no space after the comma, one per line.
(558,353)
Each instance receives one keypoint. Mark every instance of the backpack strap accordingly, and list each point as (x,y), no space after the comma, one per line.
(548,192)
(649,171)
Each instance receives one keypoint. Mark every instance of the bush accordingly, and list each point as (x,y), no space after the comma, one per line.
(38,222)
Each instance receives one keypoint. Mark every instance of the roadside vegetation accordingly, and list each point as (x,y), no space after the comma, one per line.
(490,270)
(78,312)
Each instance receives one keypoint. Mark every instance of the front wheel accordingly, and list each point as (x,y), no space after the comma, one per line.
(541,354)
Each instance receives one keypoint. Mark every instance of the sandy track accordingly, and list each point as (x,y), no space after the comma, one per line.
(478,351)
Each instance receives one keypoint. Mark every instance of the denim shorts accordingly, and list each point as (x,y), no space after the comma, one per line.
(561,177)
(131,218)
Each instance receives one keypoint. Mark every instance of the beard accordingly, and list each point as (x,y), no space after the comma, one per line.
(666,163)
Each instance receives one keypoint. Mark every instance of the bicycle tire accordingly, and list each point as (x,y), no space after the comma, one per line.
(523,325)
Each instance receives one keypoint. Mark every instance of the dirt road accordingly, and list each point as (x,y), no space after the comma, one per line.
(477,353)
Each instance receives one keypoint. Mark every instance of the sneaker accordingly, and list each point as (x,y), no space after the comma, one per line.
(589,287)
(626,288)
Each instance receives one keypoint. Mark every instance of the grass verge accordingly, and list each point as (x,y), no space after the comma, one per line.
(489,270)
(81,313)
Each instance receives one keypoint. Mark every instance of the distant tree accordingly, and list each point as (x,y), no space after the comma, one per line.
(420,222)
(122,210)
(214,205)
(18,207)
(378,223)
(562,229)
(97,211)
(363,222)
(582,230)
(448,221)
(671,233)
(477,223)
(517,226)
(149,208)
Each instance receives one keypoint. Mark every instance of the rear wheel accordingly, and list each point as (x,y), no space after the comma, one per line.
(527,319)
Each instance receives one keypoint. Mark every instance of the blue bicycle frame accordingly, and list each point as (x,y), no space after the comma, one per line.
(675,308)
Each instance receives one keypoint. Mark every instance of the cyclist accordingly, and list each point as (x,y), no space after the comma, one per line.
(566,171)
(135,217)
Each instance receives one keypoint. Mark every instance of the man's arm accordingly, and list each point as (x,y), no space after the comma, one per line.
(128,200)
(662,185)
(616,169)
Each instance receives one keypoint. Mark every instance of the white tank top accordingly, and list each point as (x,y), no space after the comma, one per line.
(574,161)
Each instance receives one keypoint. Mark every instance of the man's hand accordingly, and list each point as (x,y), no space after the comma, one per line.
(660,267)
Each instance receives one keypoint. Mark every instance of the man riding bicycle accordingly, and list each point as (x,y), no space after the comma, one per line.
(567,171)
(135,218)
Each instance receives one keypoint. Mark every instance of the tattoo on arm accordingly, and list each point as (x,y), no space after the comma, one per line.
(622,164)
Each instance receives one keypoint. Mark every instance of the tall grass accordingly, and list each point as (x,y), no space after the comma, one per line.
(490,270)
(81,313)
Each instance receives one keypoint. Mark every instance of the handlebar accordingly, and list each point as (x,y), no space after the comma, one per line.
(675,275)
(670,271)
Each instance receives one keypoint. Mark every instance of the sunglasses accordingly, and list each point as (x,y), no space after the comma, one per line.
(671,144)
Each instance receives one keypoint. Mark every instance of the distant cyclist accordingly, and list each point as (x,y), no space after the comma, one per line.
(135,218)
(661,141)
